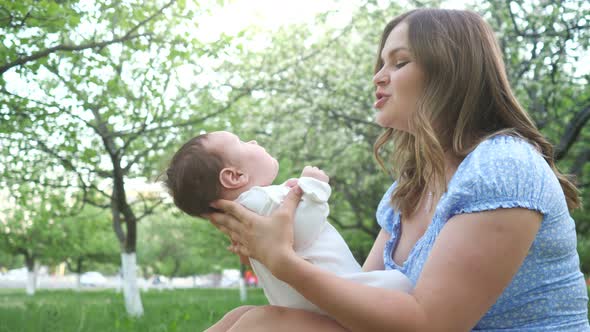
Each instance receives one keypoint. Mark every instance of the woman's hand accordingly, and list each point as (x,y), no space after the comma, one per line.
(292,182)
(266,239)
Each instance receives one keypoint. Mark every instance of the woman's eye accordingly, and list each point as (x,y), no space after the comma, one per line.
(401,64)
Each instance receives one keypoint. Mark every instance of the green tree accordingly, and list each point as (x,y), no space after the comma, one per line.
(31,227)
(546,47)
(98,98)
(178,245)
(89,240)
(313,105)
(317,108)
(544,44)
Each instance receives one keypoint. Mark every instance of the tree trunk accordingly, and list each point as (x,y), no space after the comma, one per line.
(128,241)
(175,269)
(78,283)
(130,288)
(78,274)
(242,284)
(32,269)
(120,279)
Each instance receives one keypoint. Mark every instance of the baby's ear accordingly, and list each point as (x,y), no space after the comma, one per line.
(232,178)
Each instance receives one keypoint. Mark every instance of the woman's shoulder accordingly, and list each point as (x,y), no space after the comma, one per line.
(502,172)
(385,213)
(504,148)
(504,156)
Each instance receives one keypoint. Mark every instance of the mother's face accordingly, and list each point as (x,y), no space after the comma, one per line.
(400,82)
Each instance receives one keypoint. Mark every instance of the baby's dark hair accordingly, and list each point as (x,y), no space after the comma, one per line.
(192,178)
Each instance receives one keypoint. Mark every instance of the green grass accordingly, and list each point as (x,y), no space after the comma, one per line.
(65,311)
(171,310)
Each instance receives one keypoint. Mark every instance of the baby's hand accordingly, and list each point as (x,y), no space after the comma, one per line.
(316,173)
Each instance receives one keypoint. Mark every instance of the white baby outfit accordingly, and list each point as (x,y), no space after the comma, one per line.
(316,240)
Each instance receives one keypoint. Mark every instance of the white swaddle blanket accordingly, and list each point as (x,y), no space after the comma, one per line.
(316,240)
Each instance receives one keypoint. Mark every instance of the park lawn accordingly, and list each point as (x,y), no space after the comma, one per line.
(103,310)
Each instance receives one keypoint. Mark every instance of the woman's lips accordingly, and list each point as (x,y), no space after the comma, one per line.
(381,100)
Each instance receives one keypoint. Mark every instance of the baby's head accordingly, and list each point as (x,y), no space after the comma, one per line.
(217,165)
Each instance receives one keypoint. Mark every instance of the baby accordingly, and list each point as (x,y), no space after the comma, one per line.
(219,165)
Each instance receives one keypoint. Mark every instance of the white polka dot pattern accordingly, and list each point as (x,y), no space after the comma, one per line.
(548,293)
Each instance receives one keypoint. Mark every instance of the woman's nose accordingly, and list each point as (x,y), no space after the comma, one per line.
(381,78)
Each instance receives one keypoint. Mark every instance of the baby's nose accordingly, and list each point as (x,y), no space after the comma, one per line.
(253,142)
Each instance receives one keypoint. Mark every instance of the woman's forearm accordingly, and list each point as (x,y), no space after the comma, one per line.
(355,306)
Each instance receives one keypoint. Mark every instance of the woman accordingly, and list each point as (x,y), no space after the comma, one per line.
(478,218)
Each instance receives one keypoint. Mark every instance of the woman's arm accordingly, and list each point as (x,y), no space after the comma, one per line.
(472,261)
(474,258)
(375,259)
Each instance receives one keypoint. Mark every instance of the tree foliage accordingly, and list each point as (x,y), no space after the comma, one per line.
(89,240)
(317,108)
(99,100)
(94,94)
(177,245)
(31,227)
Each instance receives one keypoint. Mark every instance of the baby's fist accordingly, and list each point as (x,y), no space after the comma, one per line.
(316,173)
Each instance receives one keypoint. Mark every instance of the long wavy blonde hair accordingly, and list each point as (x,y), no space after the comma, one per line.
(467,95)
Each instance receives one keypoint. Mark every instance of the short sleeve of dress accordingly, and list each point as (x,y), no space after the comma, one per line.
(385,212)
(504,172)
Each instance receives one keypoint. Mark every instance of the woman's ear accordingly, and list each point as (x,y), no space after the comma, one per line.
(232,178)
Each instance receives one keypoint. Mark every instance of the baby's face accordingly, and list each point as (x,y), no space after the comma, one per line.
(249,157)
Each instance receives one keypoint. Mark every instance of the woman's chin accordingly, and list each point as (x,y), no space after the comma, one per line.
(383,121)
(387,122)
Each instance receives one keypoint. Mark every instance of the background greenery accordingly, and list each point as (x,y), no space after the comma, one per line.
(68,311)
(95,94)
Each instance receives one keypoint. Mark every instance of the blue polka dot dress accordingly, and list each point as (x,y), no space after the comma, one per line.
(548,293)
